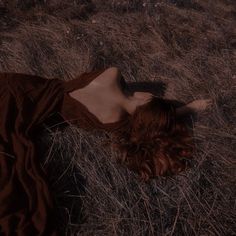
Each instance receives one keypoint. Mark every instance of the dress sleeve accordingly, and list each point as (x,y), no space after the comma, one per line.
(26,204)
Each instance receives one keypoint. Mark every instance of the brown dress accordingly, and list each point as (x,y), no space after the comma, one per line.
(26,101)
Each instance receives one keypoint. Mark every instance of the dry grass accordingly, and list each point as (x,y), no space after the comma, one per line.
(187,44)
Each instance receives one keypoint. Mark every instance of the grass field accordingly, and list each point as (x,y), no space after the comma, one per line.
(188,45)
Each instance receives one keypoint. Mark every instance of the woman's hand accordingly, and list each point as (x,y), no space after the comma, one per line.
(197,106)
(200,105)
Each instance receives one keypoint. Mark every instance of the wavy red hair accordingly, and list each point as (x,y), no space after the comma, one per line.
(154,142)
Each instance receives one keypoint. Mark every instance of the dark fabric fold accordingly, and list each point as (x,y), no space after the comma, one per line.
(26,204)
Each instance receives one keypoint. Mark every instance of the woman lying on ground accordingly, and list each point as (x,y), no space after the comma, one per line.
(154,139)
(149,131)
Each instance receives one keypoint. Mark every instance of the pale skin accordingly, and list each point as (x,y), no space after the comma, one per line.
(106,100)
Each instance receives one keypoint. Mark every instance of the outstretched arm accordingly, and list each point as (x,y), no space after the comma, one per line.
(194,106)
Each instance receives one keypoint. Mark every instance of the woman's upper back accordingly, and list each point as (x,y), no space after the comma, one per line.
(102,95)
(79,110)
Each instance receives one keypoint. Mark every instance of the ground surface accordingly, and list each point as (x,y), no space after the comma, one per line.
(188,45)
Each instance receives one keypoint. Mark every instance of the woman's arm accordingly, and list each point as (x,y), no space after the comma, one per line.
(194,106)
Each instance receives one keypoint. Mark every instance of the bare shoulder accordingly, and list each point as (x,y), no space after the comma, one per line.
(110,75)
(112,71)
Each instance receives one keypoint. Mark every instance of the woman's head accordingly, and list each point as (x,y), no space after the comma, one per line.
(154,142)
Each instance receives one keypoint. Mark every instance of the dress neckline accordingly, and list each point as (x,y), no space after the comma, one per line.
(83,80)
